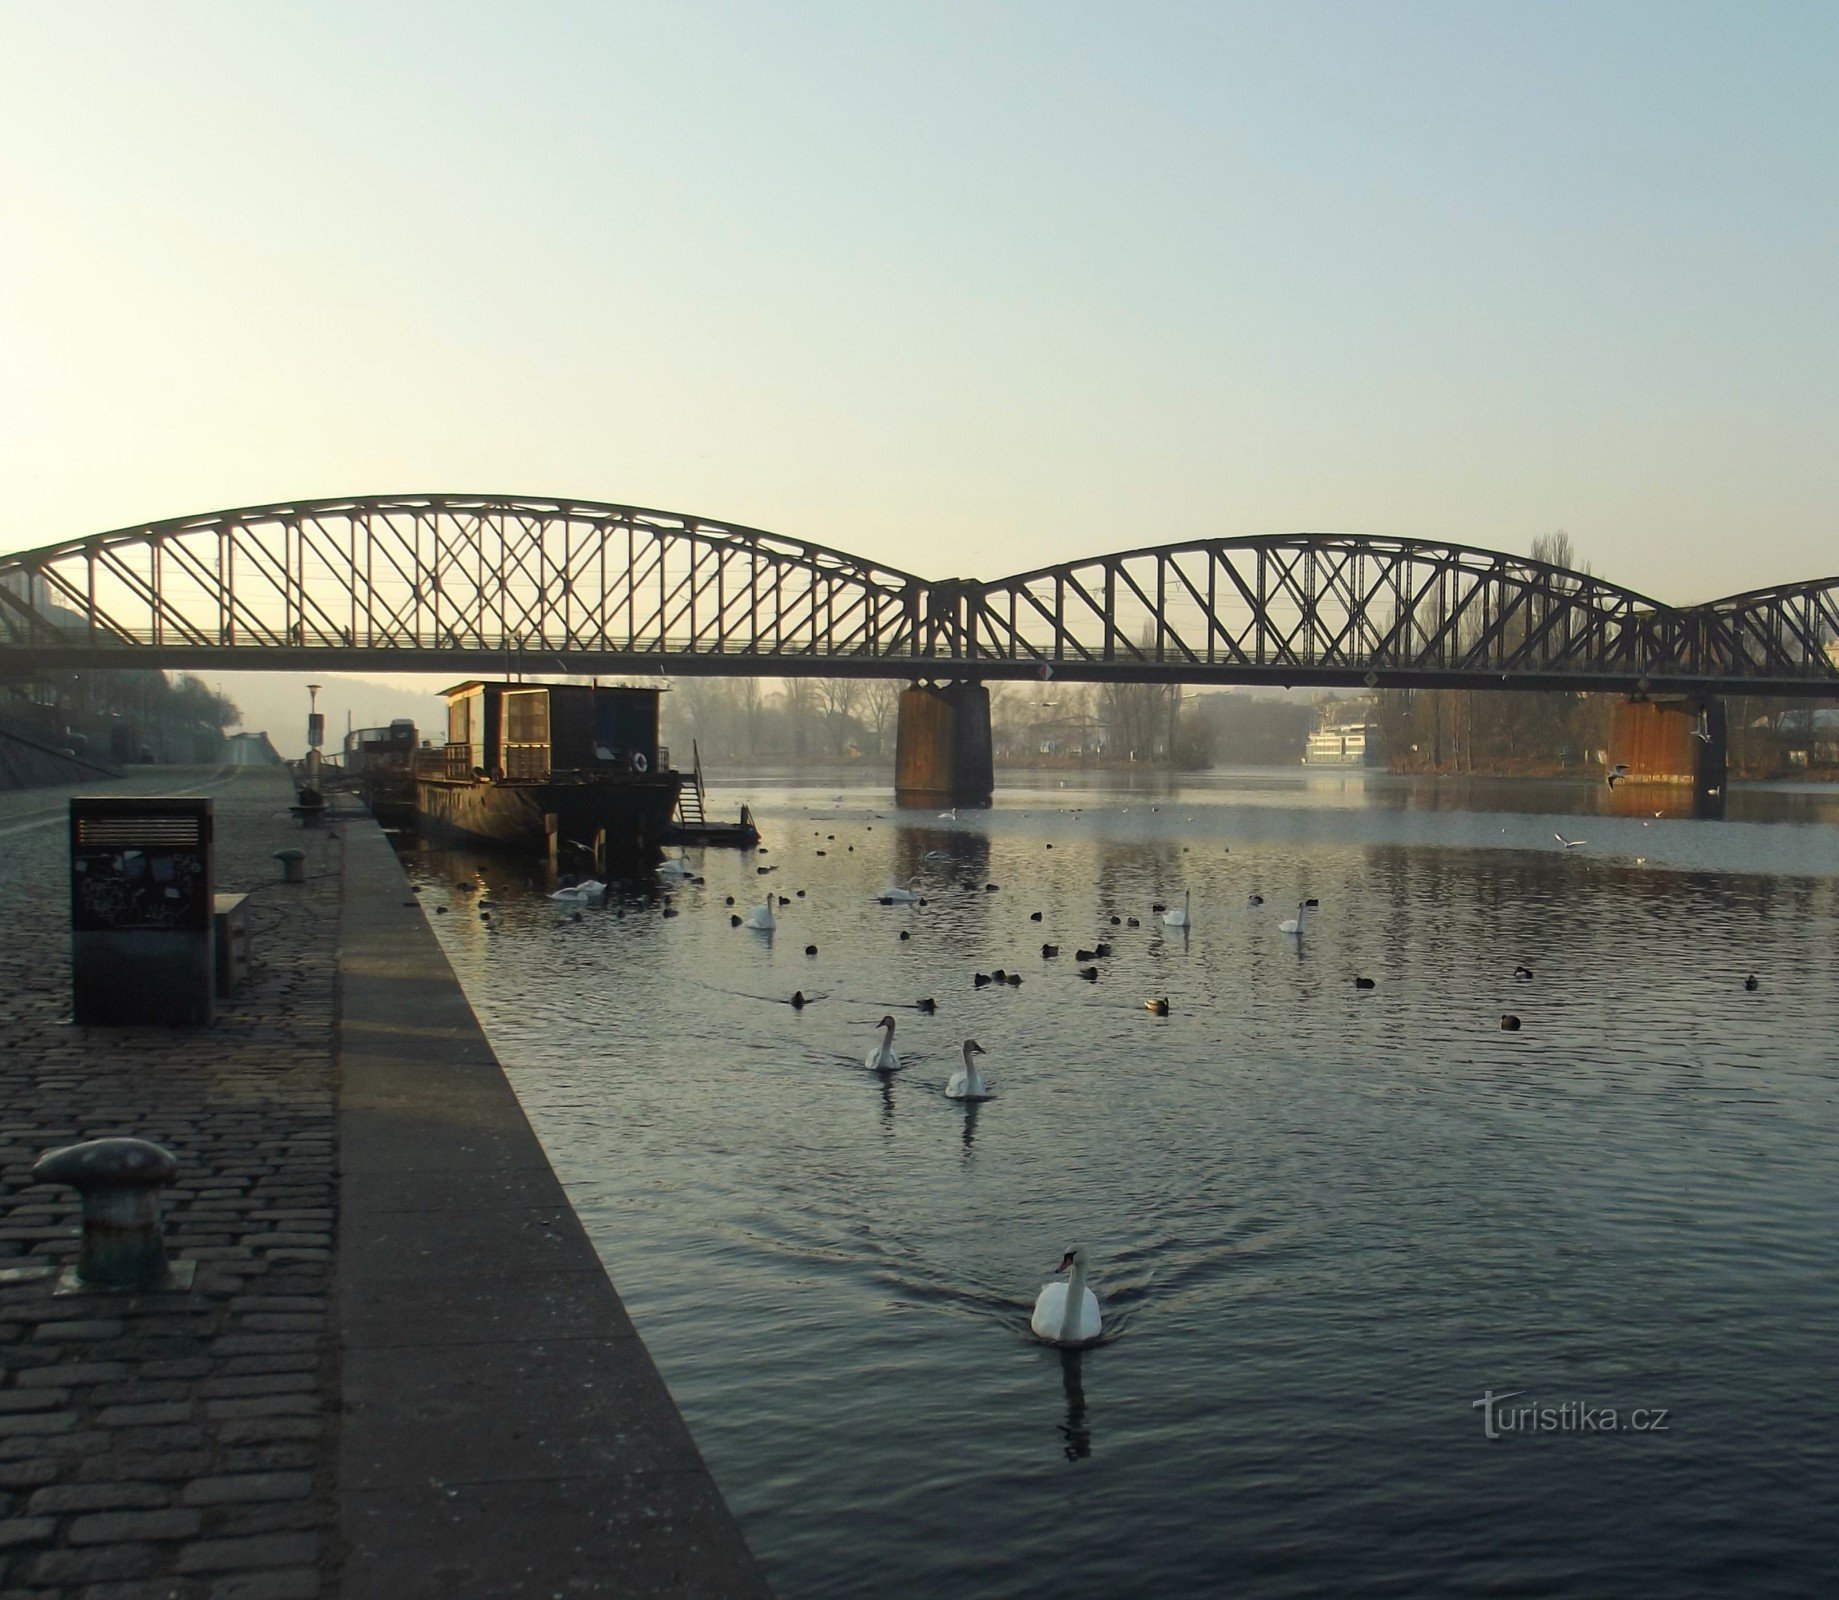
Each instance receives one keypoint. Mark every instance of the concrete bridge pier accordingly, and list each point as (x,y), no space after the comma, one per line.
(942,750)
(1682,742)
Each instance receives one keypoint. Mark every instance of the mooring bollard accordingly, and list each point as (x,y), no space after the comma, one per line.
(119,1180)
(293,865)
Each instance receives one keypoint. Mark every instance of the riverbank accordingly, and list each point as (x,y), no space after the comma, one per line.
(354,1175)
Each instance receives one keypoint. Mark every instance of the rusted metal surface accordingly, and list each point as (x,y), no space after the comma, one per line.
(1676,742)
(943,754)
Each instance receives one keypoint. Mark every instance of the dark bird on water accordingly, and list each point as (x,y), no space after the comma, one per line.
(1090,974)
(1157,906)
(991,888)
(1116,921)
(1034,916)
(1522,973)
(1103,949)
(981,979)
(1509,1022)
(904,936)
(669,911)
(1049,951)
(1254,899)
(999,976)
(729,901)
(1751,983)
(928,1006)
(1084,955)
(810,949)
(783,901)
(798,1000)
(1159,1007)
(440,911)
(1015,980)
(733,922)
(1131,922)
(1364,983)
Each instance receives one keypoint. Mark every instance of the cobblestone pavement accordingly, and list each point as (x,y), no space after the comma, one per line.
(173,1445)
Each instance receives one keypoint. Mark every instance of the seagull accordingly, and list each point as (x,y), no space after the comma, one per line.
(1618,773)
(1569,844)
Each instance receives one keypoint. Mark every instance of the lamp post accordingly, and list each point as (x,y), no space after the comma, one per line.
(316,736)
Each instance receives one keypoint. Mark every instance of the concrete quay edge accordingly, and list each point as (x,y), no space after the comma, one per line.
(504,1430)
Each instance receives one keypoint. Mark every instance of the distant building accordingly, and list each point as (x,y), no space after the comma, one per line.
(251,750)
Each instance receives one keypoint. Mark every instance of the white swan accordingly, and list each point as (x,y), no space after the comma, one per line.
(1067,1313)
(969,1084)
(1179,918)
(678,869)
(581,894)
(761,916)
(898,896)
(882,1057)
(1295,924)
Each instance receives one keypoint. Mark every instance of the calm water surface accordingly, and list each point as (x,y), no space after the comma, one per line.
(1323,1220)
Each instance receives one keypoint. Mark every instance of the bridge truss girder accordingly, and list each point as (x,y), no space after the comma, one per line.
(484,584)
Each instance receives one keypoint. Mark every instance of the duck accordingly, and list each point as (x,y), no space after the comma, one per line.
(1131,922)
(1158,1008)
(926,1006)
(797,1002)
(1254,899)
(1522,974)
(1101,949)
(761,916)
(1751,983)
(968,1084)
(900,894)
(1049,951)
(1090,974)
(1015,980)
(1365,983)
(1509,1022)
(1034,916)
(1178,918)
(1067,1313)
(1085,955)
(810,949)
(981,979)
(882,1057)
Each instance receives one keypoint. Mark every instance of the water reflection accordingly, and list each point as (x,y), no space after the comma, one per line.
(971,1108)
(1075,1434)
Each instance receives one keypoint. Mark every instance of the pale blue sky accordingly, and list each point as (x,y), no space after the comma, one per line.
(965,288)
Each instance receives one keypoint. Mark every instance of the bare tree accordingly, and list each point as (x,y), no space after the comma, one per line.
(880,699)
(838,695)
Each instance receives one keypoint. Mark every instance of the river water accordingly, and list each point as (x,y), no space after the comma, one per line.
(1324,1221)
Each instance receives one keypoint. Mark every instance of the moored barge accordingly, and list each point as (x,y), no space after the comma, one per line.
(522,759)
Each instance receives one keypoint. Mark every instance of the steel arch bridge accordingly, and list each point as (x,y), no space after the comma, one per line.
(486,583)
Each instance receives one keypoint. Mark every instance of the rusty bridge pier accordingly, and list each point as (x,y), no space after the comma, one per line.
(1676,740)
(942,750)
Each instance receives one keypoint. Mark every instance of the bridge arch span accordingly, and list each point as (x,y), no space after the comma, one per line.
(470,582)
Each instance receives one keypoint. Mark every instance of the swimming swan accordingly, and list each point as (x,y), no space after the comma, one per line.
(761,916)
(897,896)
(968,1084)
(1295,924)
(580,894)
(679,869)
(882,1057)
(1179,918)
(1067,1313)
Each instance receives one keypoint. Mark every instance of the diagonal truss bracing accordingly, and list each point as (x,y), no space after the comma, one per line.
(488,581)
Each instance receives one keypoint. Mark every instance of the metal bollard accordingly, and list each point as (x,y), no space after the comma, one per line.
(119,1180)
(293,865)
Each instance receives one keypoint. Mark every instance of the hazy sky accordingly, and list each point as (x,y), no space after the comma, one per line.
(966,288)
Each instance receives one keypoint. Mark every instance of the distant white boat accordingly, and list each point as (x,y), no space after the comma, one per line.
(1343,744)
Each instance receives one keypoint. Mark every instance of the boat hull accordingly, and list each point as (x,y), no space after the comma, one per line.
(633,811)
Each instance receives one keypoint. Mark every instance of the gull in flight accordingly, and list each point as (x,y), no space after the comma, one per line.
(1569,844)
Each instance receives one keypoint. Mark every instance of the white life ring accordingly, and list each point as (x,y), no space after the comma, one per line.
(639,763)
